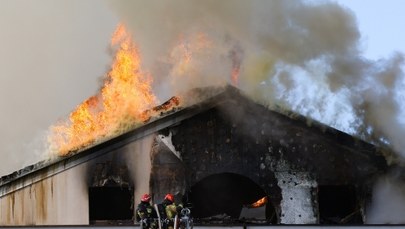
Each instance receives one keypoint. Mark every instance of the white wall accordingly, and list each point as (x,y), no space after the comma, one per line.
(60,199)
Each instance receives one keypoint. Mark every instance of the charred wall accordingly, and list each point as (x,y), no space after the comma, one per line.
(282,154)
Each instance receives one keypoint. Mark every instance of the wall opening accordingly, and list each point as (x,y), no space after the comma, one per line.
(109,203)
(224,196)
(110,192)
(338,205)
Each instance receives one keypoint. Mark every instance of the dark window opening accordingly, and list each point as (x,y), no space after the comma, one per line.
(338,205)
(223,197)
(110,204)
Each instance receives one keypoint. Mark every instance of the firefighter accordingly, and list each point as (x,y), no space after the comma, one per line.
(145,213)
(168,211)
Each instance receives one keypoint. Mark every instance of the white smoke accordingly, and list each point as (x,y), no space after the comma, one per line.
(388,201)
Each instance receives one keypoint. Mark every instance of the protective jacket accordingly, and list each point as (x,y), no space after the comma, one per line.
(146,213)
(172,210)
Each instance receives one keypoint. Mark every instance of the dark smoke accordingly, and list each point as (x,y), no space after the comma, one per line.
(304,55)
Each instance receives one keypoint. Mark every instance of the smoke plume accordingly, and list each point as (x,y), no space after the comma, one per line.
(303,55)
(388,200)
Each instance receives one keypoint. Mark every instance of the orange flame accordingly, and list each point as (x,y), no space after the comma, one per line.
(126,94)
(235,76)
(183,54)
(236,57)
(261,202)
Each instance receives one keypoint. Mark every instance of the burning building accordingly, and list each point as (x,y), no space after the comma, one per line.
(229,158)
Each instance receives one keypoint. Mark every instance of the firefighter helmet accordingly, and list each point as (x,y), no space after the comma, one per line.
(145,198)
(169,197)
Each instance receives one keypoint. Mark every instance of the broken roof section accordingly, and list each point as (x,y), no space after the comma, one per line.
(168,114)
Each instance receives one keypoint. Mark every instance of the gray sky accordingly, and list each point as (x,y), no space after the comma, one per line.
(53,54)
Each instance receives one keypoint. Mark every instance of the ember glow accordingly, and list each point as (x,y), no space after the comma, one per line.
(236,57)
(121,103)
(261,202)
(187,54)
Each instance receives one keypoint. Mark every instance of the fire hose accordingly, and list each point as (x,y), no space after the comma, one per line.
(185,221)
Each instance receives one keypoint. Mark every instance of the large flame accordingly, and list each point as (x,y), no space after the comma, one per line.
(126,94)
(126,99)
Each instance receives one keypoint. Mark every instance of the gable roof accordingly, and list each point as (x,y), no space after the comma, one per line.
(202,100)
